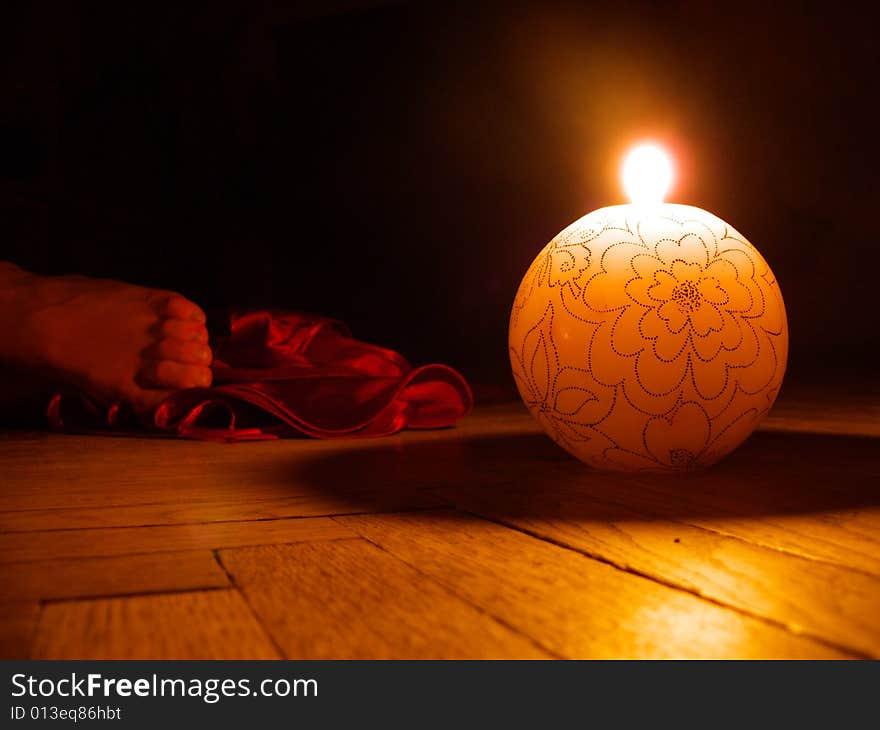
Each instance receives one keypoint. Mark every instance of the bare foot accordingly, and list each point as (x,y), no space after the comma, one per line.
(117,342)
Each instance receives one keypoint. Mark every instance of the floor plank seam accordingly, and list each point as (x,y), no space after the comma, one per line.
(326,515)
(775,548)
(177,550)
(784,551)
(244,597)
(111,556)
(858,653)
(175,504)
(718,531)
(132,594)
(480,609)
(766,546)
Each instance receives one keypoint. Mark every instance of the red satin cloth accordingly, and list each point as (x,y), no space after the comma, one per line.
(282,374)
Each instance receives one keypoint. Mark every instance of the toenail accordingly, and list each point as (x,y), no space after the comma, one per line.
(197,316)
(204,378)
(204,354)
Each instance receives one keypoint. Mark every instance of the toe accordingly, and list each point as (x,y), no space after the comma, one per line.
(179,307)
(171,374)
(183,329)
(182,351)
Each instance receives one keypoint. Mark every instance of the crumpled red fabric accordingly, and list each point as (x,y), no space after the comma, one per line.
(281,374)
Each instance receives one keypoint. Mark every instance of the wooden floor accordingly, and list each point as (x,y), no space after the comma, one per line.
(481,541)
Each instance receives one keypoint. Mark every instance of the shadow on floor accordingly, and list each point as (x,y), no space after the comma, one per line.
(772,473)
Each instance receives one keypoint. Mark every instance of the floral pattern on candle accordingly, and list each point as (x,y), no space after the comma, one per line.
(649,311)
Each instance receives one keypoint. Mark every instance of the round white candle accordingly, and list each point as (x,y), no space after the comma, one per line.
(649,336)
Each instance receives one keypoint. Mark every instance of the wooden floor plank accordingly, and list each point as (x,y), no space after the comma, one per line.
(780,490)
(787,528)
(762,513)
(126,574)
(350,600)
(828,408)
(199,625)
(49,471)
(58,544)
(838,537)
(782,587)
(182,512)
(572,605)
(18,620)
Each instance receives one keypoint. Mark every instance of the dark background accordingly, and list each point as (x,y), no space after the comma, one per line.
(398,165)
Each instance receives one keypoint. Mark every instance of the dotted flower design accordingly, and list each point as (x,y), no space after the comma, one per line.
(562,263)
(687,311)
(689,315)
(676,441)
(555,394)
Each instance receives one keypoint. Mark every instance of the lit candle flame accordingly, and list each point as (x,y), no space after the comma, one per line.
(647,174)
